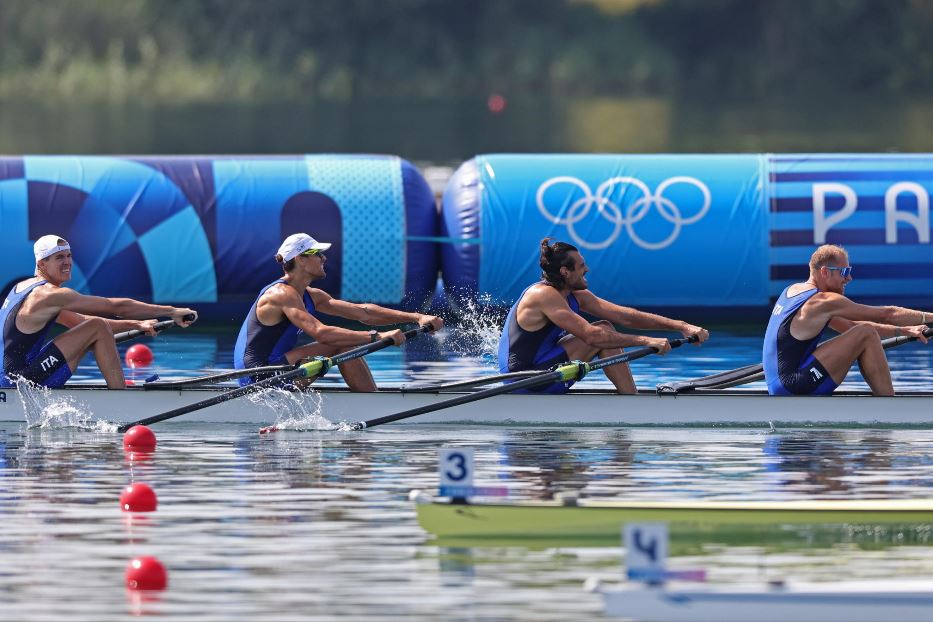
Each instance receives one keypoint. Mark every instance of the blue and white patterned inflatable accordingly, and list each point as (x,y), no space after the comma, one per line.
(723,232)
(203,230)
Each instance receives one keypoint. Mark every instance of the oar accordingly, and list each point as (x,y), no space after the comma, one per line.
(753,373)
(159,327)
(737,376)
(311,369)
(214,378)
(574,370)
(466,384)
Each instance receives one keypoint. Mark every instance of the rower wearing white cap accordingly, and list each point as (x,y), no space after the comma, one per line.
(286,306)
(33,305)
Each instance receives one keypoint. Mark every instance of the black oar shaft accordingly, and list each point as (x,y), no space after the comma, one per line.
(215,378)
(311,369)
(466,384)
(549,377)
(574,370)
(219,399)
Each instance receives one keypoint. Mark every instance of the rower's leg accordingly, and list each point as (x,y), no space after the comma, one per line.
(93,334)
(860,343)
(620,375)
(355,373)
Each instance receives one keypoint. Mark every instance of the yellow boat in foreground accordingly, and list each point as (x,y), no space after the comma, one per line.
(572,519)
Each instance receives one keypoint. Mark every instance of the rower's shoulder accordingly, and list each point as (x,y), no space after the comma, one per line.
(825,303)
(19,287)
(49,291)
(277,292)
(541,293)
(798,288)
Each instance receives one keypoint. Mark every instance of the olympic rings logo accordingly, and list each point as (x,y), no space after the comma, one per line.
(613,212)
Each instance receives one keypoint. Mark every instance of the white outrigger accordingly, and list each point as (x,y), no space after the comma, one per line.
(580,407)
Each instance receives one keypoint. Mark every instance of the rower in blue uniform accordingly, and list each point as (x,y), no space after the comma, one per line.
(285,308)
(545,326)
(34,305)
(795,363)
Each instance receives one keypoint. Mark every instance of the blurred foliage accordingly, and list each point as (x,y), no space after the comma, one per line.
(215,50)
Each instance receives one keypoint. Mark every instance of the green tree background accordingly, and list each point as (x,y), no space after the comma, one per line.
(237,50)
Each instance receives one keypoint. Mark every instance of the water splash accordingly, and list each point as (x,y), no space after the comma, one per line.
(293,410)
(44,410)
(479,324)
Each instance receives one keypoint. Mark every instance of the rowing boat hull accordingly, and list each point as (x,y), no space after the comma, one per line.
(602,521)
(853,601)
(740,408)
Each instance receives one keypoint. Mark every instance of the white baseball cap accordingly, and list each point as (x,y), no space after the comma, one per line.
(298,243)
(48,245)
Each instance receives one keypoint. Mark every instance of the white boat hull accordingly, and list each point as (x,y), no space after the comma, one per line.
(851,601)
(586,407)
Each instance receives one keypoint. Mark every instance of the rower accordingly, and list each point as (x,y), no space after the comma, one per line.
(286,306)
(795,364)
(33,305)
(545,327)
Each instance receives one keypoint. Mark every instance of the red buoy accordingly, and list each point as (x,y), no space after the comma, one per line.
(139,438)
(138,497)
(138,355)
(496,103)
(146,573)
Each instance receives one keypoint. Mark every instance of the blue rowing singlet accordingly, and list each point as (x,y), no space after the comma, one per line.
(789,364)
(18,349)
(521,350)
(258,345)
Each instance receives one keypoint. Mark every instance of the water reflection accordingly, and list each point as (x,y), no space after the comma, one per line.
(247,524)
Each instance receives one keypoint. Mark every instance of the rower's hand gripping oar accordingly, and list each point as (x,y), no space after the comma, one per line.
(574,370)
(752,373)
(311,369)
(159,327)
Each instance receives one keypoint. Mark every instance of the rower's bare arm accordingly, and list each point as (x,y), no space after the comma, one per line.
(124,308)
(902,322)
(370,314)
(294,310)
(70,319)
(832,305)
(633,318)
(554,307)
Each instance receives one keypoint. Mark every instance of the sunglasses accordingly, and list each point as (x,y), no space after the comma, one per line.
(312,252)
(843,272)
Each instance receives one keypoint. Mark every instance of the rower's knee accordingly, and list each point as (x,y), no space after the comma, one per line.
(865,334)
(97,328)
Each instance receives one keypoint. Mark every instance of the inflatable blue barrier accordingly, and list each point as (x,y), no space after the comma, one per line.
(877,206)
(716,231)
(202,231)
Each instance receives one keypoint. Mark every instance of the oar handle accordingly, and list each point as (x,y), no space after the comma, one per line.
(893,342)
(311,369)
(159,327)
(368,348)
(625,357)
